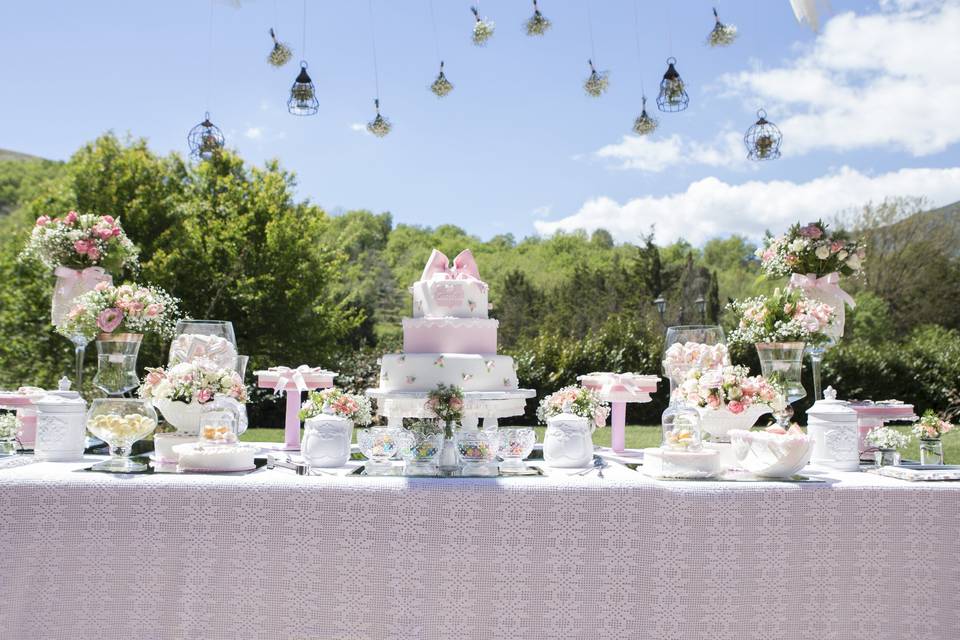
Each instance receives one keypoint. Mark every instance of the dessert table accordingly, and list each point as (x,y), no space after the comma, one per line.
(276,555)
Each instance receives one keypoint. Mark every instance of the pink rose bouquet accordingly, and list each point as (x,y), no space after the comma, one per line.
(335,402)
(199,380)
(129,308)
(811,249)
(80,240)
(787,315)
(931,427)
(579,401)
(732,388)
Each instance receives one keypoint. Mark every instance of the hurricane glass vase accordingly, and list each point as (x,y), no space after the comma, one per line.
(931,451)
(782,366)
(117,363)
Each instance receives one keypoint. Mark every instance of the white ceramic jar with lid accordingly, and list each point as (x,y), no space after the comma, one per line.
(832,424)
(61,425)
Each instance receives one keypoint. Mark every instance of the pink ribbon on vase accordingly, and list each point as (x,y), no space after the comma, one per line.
(90,277)
(287,375)
(829,284)
(439,268)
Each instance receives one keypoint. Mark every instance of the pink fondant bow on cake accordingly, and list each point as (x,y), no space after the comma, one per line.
(828,284)
(439,268)
(287,375)
(90,277)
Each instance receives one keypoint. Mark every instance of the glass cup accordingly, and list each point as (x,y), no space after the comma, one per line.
(379,445)
(120,422)
(515,445)
(421,453)
(477,451)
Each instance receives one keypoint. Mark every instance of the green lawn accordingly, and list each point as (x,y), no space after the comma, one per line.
(639,437)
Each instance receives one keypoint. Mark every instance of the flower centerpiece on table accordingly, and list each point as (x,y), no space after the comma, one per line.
(446,403)
(129,308)
(787,315)
(9,426)
(930,429)
(578,401)
(728,398)
(815,258)
(181,390)
(336,402)
(80,240)
(888,442)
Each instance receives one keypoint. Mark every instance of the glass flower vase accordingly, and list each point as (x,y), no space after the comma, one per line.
(70,284)
(886,457)
(931,451)
(782,365)
(117,363)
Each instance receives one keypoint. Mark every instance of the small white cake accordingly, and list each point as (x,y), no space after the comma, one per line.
(218,450)
(668,463)
(164,443)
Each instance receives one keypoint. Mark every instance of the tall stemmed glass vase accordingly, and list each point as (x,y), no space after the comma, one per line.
(782,364)
(70,284)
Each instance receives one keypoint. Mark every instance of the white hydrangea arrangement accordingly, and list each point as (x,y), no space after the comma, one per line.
(887,439)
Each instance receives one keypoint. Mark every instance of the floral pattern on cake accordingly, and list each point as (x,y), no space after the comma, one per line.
(472,305)
(506,382)
(467,377)
(489,364)
(411,379)
(438,362)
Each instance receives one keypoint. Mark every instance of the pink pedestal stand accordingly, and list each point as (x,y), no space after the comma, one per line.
(871,415)
(26,412)
(294,388)
(618,389)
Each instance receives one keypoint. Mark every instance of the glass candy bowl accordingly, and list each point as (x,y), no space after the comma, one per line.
(421,452)
(515,445)
(379,445)
(120,422)
(477,451)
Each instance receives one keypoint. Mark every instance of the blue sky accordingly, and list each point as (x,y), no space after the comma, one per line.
(868,105)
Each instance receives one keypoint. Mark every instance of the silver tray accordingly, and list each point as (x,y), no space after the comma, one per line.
(153,467)
(532,471)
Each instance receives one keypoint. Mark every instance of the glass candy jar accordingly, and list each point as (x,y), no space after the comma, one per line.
(121,422)
(421,452)
(478,451)
(515,445)
(379,445)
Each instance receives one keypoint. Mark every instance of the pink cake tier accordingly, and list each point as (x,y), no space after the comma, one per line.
(450,335)
(450,298)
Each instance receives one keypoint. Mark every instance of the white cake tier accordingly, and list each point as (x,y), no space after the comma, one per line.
(450,298)
(201,456)
(450,335)
(424,371)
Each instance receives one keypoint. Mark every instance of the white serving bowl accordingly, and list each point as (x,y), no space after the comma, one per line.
(771,455)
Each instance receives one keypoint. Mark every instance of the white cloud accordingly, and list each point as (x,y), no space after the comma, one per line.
(253,133)
(886,80)
(644,153)
(359,127)
(711,207)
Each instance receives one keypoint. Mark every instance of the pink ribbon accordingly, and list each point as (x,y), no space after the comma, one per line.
(609,383)
(439,268)
(90,277)
(287,375)
(828,284)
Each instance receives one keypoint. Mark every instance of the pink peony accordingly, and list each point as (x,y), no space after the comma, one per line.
(735,406)
(82,246)
(456,404)
(836,246)
(108,219)
(204,396)
(101,286)
(153,310)
(811,231)
(154,378)
(115,232)
(104,234)
(713,401)
(93,253)
(43,221)
(109,320)
(71,217)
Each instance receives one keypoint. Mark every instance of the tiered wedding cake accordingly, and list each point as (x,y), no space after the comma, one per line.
(449,340)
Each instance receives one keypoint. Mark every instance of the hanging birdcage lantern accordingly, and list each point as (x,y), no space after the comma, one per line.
(379,126)
(673,94)
(763,139)
(303,96)
(205,139)
(644,124)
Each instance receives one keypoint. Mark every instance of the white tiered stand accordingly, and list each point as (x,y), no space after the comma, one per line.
(490,406)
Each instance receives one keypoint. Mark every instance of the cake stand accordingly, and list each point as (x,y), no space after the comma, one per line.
(293,382)
(618,389)
(871,415)
(489,405)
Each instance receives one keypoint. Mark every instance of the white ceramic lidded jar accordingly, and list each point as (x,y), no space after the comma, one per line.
(832,425)
(568,442)
(61,426)
(326,440)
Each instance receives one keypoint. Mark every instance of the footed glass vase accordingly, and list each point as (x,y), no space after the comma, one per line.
(70,284)
(120,423)
(782,365)
(117,363)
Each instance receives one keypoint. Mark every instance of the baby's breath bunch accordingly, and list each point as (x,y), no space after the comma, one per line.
(441,86)
(482,28)
(597,82)
(280,54)
(379,126)
(538,24)
(722,34)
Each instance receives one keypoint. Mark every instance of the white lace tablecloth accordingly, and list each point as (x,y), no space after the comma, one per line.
(273,555)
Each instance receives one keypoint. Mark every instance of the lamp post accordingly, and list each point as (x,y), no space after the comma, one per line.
(661,305)
(702,308)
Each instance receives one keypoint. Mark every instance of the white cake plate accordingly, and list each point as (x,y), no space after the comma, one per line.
(489,405)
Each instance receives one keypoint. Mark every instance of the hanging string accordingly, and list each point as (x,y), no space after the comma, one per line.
(669,30)
(593,55)
(303,48)
(636,38)
(209,56)
(373,44)
(436,36)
